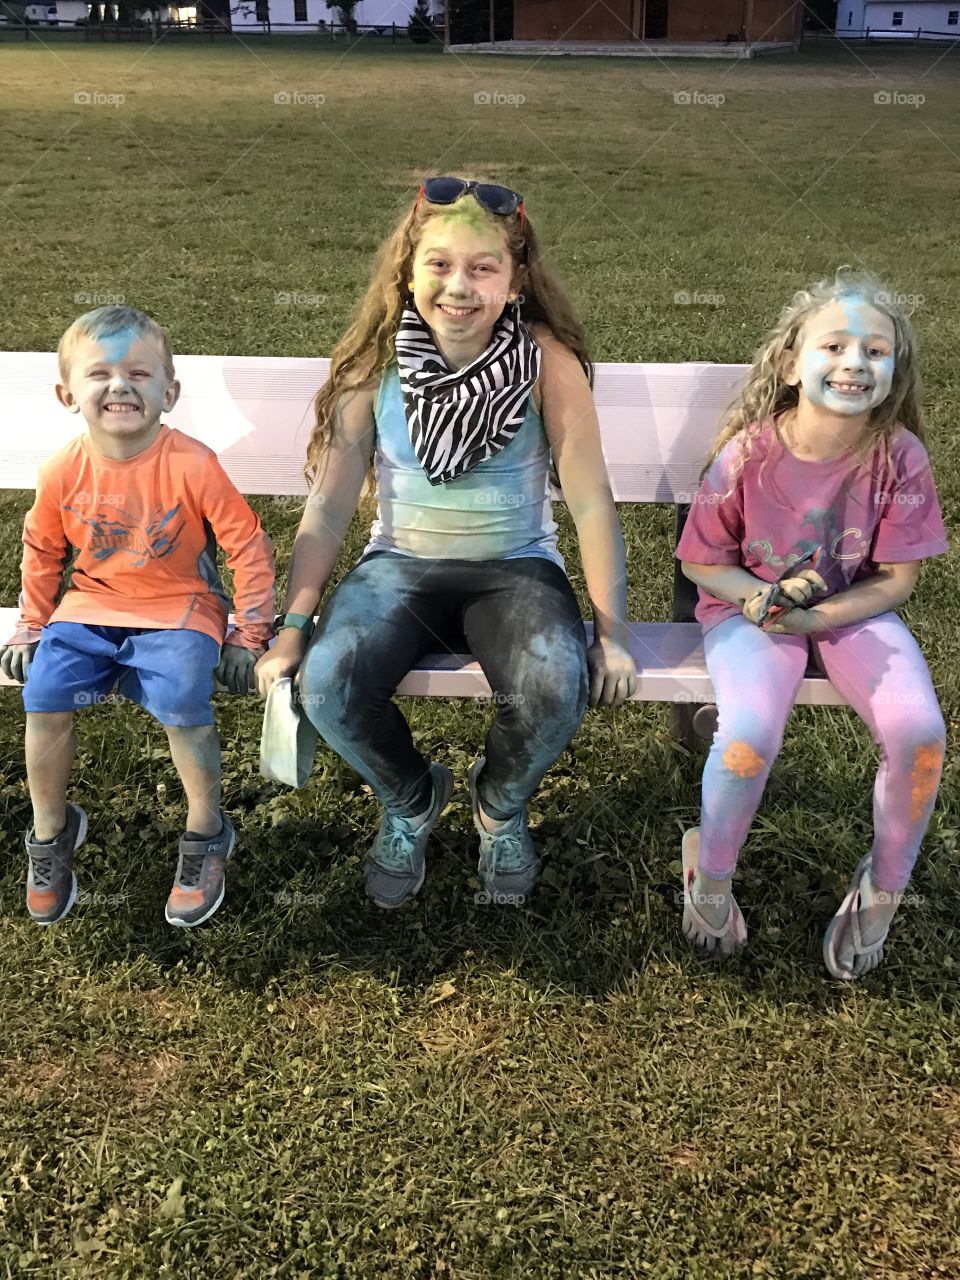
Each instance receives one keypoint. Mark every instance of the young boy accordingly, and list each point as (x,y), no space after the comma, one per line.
(145,507)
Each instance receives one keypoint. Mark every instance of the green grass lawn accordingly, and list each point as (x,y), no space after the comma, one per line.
(310,1087)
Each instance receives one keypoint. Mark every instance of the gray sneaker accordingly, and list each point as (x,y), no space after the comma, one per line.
(396,865)
(200,881)
(508,866)
(51,883)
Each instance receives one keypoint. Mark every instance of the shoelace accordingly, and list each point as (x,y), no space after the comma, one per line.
(42,870)
(191,867)
(400,850)
(508,854)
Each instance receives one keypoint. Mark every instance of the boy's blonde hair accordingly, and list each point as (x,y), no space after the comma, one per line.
(104,322)
(367,347)
(765,393)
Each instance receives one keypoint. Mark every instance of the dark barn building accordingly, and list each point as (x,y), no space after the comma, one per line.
(622,21)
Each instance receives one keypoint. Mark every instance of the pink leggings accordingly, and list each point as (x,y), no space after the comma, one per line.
(878,667)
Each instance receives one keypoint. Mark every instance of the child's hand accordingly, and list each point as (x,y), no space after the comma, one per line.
(613,673)
(282,661)
(797,622)
(15,660)
(235,669)
(798,589)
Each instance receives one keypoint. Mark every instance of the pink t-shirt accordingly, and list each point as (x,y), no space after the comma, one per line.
(863,513)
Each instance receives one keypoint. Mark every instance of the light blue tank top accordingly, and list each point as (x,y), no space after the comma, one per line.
(500,510)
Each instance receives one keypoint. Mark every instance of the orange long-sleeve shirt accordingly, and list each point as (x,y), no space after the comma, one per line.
(146,532)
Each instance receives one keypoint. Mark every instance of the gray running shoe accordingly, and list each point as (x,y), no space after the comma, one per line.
(51,883)
(396,865)
(508,866)
(200,883)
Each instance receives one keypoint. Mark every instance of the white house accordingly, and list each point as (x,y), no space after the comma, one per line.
(306,15)
(854,17)
(62,13)
(65,13)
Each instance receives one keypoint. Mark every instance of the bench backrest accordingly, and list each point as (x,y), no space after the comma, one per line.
(656,420)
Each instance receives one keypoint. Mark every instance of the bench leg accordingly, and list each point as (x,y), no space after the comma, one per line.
(692,723)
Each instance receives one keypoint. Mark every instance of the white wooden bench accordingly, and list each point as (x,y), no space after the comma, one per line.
(656,420)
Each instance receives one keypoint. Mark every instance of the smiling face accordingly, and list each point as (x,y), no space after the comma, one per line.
(844,358)
(462,275)
(121,387)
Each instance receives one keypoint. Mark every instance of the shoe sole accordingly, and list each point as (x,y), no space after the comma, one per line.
(81,836)
(192,924)
(395,906)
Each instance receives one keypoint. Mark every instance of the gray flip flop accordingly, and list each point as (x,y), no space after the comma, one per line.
(848,912)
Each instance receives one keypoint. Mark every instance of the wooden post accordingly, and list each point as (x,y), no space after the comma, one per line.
(446,25)
(493,24)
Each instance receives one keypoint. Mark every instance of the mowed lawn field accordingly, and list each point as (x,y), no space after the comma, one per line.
(310,1087)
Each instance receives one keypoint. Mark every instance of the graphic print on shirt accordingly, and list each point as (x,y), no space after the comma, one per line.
(142,540)
(838,544)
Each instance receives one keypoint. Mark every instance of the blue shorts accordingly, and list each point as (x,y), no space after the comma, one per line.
(169,673)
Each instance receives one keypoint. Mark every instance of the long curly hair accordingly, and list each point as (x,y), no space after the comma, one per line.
(367,347)
(765,395)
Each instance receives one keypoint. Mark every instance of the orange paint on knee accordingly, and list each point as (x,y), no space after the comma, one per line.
(927,763)
(741,759)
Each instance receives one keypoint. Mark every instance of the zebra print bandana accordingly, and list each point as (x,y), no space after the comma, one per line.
(460,417)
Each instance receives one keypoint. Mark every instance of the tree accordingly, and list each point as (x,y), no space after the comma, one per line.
(345,9)
(420,28)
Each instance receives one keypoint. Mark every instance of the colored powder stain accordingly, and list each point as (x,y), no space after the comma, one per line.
(927,762)
(539,648)
(741,759)
(466,212)
(116,346)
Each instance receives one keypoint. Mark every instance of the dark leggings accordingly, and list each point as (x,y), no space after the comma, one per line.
(520,620)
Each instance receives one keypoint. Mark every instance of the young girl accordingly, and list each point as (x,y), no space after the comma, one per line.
(820,461)
(463,372)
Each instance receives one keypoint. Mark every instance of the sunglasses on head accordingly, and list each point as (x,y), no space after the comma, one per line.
(500,201)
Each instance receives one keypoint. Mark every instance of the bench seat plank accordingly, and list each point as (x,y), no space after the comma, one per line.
(669,658)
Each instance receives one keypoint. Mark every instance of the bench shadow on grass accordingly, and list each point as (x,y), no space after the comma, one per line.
(608,905)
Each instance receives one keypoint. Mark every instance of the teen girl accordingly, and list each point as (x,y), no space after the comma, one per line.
(464,371)
(823,456)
